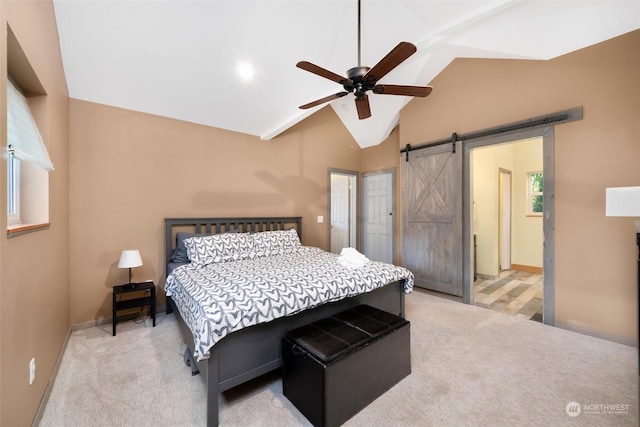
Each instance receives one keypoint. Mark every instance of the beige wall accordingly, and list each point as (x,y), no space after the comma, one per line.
(595,263)
(382,156)
(131,170)
(34,268)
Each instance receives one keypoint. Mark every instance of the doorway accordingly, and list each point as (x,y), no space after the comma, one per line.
(509,239)
(448,196)
(342,207)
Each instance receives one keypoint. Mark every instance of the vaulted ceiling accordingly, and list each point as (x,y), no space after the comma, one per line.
(183,58)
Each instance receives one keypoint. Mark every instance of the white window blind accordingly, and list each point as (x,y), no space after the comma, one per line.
(23,138)
(13,190)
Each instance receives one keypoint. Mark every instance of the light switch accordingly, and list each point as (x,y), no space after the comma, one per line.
(320,219)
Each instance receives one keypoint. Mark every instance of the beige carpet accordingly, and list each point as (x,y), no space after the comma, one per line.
(471,367)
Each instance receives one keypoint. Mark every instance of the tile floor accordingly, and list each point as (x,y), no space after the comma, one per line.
(515,293)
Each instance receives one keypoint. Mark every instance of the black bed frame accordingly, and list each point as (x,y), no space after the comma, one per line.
(248,353)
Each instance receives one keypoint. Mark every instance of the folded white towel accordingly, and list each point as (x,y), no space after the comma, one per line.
(351,258)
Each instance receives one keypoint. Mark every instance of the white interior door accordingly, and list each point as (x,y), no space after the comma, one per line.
(340,212)
(378,217)
(505,220)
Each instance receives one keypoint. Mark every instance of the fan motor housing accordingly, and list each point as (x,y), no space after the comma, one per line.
(357,84)
(356,74)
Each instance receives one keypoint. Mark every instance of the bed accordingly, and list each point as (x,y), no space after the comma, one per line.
(235,356)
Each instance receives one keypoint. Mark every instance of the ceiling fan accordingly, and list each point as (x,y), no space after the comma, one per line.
(361,79)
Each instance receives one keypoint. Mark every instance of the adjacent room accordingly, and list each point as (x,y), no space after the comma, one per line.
(470,149)
(507,228)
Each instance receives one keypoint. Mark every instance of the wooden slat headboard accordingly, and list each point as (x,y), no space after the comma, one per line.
(224,225)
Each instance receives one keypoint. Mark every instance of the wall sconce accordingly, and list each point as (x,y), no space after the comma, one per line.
(129,259)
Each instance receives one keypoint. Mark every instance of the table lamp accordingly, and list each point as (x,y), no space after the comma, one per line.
(128,259)
(623,201)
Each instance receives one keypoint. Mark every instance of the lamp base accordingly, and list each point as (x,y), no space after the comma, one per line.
(130,286)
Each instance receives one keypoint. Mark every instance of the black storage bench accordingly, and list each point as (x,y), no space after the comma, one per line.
(333,368)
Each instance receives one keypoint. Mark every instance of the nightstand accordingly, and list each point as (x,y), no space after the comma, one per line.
(147,297)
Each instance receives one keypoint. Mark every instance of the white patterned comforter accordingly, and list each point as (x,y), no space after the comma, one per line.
(221,298)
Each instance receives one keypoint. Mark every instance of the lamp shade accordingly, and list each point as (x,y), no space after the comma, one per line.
(130,258)
(623,201)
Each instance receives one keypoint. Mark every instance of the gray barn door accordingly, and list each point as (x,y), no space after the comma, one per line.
(432,218)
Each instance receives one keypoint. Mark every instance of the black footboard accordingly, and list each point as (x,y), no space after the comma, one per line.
(230,364)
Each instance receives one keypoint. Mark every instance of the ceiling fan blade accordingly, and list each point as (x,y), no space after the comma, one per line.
(323,100)
(364,110)
(402,90)
(312,68)
(394,58)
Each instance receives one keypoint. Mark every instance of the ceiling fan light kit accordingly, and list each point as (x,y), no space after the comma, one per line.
(361,79)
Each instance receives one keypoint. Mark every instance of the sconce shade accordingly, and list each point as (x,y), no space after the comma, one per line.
(130,258)
(623,201)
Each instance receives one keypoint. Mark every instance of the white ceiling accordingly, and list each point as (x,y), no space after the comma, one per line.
(179,58)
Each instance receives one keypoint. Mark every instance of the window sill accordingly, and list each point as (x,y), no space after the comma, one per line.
(15,230)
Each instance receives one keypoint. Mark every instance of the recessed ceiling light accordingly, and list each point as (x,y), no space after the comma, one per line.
(245,71)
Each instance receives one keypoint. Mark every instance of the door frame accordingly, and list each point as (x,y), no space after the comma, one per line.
(354,206)
(547,133)
(394,223)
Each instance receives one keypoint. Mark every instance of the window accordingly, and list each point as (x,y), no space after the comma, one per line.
(13,190)
(535,199)
(26,155)
(28,163)
(23,137)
